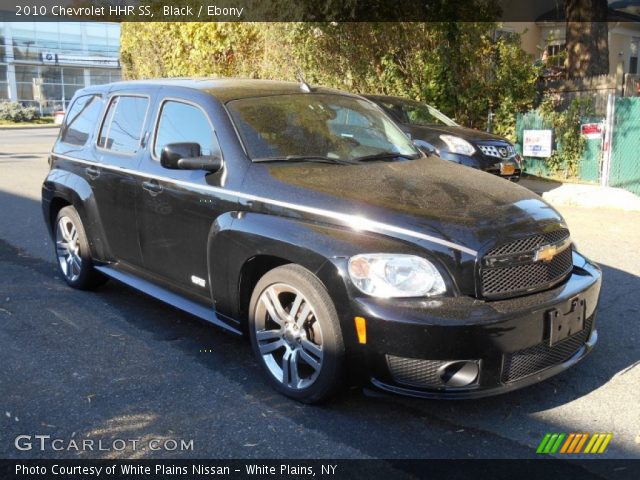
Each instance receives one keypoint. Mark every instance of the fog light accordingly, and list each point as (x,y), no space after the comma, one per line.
(459,373)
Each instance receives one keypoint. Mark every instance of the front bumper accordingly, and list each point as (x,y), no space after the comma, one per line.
(410,341)
(484,163)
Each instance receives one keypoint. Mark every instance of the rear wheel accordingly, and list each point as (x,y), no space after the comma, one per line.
(72,251)
(295,334)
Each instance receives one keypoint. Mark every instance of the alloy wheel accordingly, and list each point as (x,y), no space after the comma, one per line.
(289,336)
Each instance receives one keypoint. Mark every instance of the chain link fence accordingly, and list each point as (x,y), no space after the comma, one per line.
(624,171)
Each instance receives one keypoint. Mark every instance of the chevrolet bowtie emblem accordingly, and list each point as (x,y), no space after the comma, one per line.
(546,253)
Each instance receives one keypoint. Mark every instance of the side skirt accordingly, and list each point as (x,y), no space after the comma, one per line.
(166,296)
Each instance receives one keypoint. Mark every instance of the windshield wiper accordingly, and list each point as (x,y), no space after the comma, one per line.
(304,158)
(383,155)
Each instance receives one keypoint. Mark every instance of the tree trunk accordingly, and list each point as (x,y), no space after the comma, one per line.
(587,38)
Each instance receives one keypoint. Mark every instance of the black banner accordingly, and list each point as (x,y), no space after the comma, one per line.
(329,469)
(313,10)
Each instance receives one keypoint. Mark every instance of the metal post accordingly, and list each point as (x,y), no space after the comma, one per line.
(608,137)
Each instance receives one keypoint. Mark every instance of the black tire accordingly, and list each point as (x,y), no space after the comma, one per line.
(322,318)
(84,276)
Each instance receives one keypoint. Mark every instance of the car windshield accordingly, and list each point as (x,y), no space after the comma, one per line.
(417,114)
(318,127)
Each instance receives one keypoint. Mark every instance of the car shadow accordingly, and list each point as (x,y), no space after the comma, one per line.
(538,185)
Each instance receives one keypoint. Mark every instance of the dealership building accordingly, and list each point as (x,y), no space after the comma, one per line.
(44,63)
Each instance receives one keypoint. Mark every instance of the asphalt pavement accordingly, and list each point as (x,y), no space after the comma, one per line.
(115,364)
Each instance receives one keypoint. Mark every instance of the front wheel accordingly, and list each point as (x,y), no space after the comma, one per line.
(295,334)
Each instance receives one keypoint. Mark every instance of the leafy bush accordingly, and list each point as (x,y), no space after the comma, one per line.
(15,112)
(566,126)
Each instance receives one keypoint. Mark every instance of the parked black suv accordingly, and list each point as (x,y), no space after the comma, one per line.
(306,219)
(465,146)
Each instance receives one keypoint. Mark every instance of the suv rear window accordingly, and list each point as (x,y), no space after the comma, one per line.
(121,130)
(81,119)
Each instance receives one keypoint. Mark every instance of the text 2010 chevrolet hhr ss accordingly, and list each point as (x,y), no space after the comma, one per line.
(305,218)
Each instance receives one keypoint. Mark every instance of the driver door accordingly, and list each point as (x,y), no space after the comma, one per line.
(175,215)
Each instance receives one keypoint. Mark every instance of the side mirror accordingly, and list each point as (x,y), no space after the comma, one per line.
(187,156)
(425,147)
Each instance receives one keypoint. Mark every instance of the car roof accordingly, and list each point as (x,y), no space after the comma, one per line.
(227,89)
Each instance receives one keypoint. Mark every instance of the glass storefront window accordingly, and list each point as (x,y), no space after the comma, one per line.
(2,49)
(51,74)
(26,73)
(71,40)
(4,85)
(48,36)
(73,76)
(25,91)
(100,76)
(97,39)
(51,91)
(70,90)
(24,41)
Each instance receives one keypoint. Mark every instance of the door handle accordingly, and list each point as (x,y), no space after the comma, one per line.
(152,186)
(92,172)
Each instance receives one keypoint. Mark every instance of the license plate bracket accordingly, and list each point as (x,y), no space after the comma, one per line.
(564,322)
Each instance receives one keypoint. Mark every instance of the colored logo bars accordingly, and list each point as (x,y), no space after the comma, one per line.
(574,443)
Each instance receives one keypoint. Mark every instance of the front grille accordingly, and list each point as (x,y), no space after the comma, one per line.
(415,372)
(495,150)
(511,280)
(540,357)
(529,243)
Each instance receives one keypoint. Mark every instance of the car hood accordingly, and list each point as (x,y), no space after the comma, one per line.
(429,195)
(469,134)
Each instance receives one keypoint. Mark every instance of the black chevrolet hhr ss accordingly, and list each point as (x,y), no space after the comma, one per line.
(305,218)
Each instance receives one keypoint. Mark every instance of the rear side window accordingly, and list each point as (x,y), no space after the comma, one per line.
(121,130)
(180,122)
(81,120)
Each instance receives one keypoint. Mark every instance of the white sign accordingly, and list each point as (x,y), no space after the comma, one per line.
(537,143)
(82,60)
(591,131)
(53,58)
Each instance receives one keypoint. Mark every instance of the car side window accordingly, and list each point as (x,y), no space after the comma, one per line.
(81,120)
(180,122)
(121,129)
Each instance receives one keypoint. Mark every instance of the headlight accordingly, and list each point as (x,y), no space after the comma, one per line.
(458,145)
(395,275)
